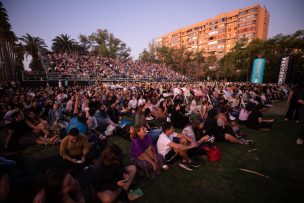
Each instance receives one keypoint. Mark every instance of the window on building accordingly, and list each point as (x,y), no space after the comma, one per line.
(221,41)
(222,30)
(212,47)
(221,46)
(222,20)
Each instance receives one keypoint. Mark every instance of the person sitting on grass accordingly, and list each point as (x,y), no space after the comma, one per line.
(55,114)
(143,153)
(60,187)
(73,149)
(51,139)
(255,120)
(229,126)
(111,179)
(244,114)
(195,130)
(161,112)
(170,149)
(16,129)
(36,123)
(4,185)
(78,119)
(212,129)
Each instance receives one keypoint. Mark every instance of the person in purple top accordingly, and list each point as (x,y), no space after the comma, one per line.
(143,153)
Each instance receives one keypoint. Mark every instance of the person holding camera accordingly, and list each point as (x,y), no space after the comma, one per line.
(73,149)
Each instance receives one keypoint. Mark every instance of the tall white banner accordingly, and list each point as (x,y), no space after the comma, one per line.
(283,69)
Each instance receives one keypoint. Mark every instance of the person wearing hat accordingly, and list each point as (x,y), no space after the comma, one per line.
(74,148)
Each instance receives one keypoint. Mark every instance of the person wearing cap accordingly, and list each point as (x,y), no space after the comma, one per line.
(74,148)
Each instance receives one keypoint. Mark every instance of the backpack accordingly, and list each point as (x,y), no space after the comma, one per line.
(213,152)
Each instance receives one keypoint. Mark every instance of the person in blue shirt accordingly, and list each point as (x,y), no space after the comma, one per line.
(78,120)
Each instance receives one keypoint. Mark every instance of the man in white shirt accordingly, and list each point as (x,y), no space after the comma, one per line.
(169,149)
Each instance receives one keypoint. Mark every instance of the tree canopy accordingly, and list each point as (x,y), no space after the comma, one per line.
(235,65)
(105,44)
(33,46)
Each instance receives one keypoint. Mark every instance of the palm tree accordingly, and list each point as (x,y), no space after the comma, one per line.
(63,43)
(34,46)
(7,46)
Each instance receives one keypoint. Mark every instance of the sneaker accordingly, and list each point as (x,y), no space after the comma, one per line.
(123,125)
(165,167)
(299,141)
(246,142)
(102,136)
(194,164)
(186,166)
(211,139)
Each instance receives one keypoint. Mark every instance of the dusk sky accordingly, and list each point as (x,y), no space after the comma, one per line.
(136,22)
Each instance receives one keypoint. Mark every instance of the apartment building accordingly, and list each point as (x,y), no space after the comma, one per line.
(218,35)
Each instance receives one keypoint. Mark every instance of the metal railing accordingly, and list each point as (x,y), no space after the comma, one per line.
(53,76)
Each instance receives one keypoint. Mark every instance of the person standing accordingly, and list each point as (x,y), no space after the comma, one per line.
(294,106)
(300,101)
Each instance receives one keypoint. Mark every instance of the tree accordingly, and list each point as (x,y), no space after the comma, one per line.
(181,60)
(149,55)
(244,52)
(34,46)
(105,44)
(63,43)
(7,47)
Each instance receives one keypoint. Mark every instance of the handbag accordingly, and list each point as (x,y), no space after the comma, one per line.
(213,152)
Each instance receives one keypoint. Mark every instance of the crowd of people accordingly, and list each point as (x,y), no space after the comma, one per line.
(165,123)
(90,66)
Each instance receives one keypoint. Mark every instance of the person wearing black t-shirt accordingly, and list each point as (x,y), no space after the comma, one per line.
(300,101)
(255,120)
(16,129)
(111,179)
(212,129)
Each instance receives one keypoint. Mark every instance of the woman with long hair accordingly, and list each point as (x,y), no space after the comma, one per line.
(111,179)
(59,187)
(143,153)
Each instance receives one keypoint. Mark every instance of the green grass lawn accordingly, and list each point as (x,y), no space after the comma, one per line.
(276,156)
